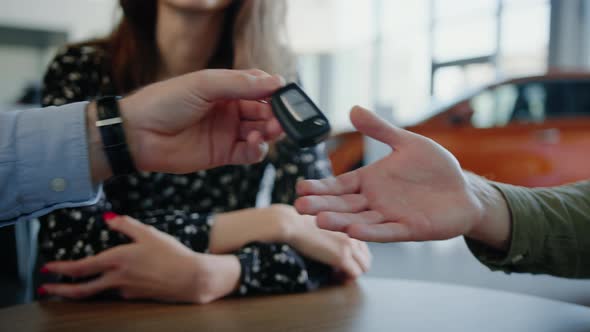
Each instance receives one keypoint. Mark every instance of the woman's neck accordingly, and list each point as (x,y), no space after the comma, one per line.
(186,39)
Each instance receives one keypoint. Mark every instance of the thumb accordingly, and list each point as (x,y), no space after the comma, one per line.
(368,123)
(224,84)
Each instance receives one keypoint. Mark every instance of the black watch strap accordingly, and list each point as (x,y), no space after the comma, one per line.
(114,143)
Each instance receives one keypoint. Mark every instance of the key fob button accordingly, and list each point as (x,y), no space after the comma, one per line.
(319,122)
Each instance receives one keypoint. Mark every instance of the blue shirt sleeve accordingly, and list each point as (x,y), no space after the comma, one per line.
(44,162)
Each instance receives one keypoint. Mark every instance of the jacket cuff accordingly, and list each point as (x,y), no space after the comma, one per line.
(527,234)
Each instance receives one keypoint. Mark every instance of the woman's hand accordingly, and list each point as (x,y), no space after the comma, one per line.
(281,223)
(350,257)
(155,266)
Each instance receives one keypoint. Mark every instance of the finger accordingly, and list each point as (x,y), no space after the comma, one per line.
(366,251)
(85,267)
(360,255)
(248,127)
(352,268)
(388,232)
(223,84)
(345,253)
(260,72)
(346,203)
(358,259)
(270,130)
(252,151)
(255,110)
(256,72)
(375,127)
(128,226)
(274,131)
(347,183)
(81,290)
(337,221)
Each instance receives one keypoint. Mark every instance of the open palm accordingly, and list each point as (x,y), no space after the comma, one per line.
(416,193)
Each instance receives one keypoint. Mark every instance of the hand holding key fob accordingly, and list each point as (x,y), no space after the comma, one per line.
(301,119)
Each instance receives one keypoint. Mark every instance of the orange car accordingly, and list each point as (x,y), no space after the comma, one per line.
(532,131)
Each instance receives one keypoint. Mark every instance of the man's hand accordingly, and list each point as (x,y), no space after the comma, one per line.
(417,193)
(198,121)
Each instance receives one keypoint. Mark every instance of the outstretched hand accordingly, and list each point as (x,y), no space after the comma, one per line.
(417,193)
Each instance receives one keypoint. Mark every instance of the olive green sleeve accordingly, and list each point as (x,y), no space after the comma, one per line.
(550,231)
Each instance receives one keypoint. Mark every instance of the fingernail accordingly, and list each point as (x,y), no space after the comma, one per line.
(44,270)
(41,291)
(109,216)
(282,80)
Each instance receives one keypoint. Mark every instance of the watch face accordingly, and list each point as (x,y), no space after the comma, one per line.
(299,107)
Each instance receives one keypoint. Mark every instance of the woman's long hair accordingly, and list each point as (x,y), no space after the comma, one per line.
(253,37)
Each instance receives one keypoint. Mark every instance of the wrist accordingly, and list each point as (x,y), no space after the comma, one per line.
(493,224)
(215,276)
(128,109)
(99,164)
(284,223)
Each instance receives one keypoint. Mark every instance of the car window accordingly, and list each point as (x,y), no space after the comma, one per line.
(530,102)
(567,98)
(494,107)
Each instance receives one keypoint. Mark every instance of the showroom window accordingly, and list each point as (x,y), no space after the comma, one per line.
(373,53)
(477,42)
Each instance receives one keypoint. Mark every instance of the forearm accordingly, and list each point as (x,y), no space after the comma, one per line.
(233,230)
(549,232)
(43,162)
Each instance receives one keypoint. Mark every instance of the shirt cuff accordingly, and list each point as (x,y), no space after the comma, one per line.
(53,161)
(526,244)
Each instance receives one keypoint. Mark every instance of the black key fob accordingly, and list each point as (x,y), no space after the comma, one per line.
(301,119)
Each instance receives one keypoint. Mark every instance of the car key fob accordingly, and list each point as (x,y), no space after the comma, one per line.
(301,119)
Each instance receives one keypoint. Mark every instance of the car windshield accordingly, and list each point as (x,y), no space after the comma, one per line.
(531,102)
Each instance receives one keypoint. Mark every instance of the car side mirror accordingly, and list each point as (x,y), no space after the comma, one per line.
(461,115)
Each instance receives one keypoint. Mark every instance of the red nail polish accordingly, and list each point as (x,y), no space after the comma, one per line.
(41,291)
(44,270)
(109,216)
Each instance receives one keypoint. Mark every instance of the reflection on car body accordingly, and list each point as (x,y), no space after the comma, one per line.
(532,131)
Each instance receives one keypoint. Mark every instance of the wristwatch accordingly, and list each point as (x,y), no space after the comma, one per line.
(110,125)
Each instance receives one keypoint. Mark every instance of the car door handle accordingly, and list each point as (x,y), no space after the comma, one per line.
(548,136)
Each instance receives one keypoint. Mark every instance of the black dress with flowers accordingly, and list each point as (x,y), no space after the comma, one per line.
(180,205)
